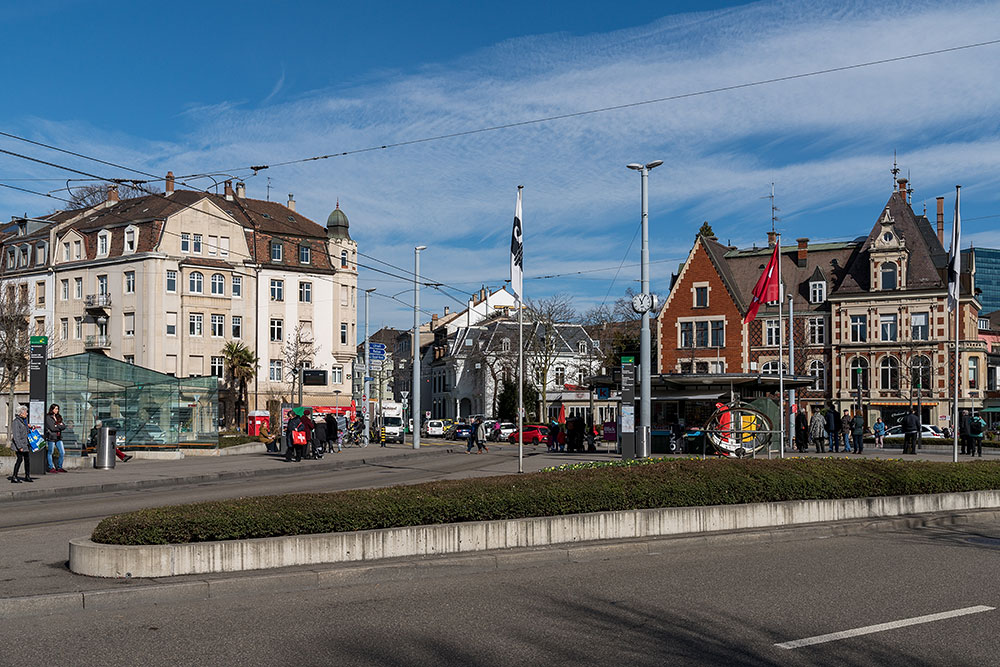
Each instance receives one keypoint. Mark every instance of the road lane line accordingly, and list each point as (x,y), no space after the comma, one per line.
(882,627)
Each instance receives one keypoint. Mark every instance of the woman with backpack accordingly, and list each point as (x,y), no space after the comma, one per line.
(977,429)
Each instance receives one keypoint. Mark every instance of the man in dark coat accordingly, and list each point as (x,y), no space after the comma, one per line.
(801,429)
(965,433)
(911,426)
(319,439)
(833,428)
(332,432)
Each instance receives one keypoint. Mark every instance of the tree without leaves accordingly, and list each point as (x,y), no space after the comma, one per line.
(299,349)
(86,196)
(15,341)
(542,339)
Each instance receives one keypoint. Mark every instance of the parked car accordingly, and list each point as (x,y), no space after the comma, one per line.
(506,428)
(895,433)
(532,435)
(460,431)
(433,427)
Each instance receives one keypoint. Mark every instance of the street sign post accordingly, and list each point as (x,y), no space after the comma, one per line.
(627,433)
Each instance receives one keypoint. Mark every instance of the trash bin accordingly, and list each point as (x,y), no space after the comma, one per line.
(105,458)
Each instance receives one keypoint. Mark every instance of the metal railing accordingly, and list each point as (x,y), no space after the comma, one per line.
(98,300)
(97,342)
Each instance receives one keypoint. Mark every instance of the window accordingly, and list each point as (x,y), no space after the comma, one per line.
(217,366)
(196,244)
(274,373)
(277,290)
(129,282)
(218,326)
(23,257)
(888,327)
(973,372)
(560,375)
(718,333)
(343,295)
(772,333)
(66,254)
(305,254)
(218,284)
(171,281)
(888,272)
(129,359)
(817,292)
(984,323)
(337,375)
(817,330)
(78,328)
(64,289)
(687,334)
(171,324)
(11,258)
(102,284)
(130,244)
(102,243)
(195,321)
(343,259)
(505,345)
(920,373)
(859,373)
(237,286)
(213,244)
(771,368)
(196,366)
(277,330)
(701,334)
(920,326)
(581,347)
(889,373)
(129,320)
(237,326)
(701,297)
(78,288)
(817,369)
(185,242)
(859,328)
(40,294)
(64,328)
(196,282)
(223,246)
(77,249)
(277,251)
(305,292)
(343,334)
(40,254)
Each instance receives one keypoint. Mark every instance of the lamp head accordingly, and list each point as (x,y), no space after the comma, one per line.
(654,164)
(635,165)
(421,247)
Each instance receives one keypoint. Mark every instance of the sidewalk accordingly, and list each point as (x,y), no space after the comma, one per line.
(152,473)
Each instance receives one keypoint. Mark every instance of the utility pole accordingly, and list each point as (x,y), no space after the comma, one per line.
(416,346)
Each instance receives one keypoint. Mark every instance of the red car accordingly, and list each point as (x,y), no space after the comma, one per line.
(532,435)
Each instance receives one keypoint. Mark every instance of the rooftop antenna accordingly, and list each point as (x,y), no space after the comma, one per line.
(895,169)
(774,209)
(268,188)
(908,195)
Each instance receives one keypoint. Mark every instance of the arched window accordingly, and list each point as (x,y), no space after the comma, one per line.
(195,282)
(920,373)
(817,369)
(859,373)
(889,373)
(218,284)
(505,345)
(343,259)
(888,271)
(771,368)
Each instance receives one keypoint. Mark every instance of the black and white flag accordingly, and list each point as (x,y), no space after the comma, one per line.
(955,256)
(517,251)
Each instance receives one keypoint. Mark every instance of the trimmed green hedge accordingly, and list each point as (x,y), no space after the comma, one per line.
(585,488)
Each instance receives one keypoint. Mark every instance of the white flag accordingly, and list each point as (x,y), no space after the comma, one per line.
(517,251)
(955,256)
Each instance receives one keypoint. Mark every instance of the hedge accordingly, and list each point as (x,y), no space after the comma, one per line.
(567,490)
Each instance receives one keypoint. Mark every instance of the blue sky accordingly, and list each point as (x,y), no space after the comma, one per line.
(215,87)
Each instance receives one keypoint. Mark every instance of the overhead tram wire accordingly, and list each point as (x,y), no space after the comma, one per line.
(627,105)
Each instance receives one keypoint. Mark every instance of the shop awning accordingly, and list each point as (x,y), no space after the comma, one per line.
(991,409)
(902,403)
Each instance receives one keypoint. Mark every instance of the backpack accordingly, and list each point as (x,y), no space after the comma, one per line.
(976,426)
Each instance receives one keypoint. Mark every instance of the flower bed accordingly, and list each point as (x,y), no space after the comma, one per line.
(574,489)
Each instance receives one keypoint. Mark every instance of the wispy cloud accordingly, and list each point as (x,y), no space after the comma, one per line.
(279,84)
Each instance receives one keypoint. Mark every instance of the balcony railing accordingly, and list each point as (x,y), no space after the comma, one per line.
(98,300)
(97,343)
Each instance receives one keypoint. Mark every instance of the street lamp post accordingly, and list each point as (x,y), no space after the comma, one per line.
(644,304)
(416,346)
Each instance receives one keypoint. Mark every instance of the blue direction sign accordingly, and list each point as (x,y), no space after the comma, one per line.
(376,346)
(375,355)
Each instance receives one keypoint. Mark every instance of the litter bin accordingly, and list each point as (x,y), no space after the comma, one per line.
(105,458)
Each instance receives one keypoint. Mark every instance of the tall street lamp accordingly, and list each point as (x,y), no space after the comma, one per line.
(643,303)
(416,346)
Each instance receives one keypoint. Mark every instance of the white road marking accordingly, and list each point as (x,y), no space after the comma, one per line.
(882,627)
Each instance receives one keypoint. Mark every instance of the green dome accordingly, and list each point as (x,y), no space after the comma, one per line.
(337,225)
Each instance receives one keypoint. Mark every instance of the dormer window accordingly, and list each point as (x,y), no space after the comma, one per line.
(887,237)
(40,254)
(888,273)
(23,258)
(131,239)
(11,258)
(103,242)
(276,252)
(817,291)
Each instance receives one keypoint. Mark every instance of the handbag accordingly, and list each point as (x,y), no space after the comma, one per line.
(35,439)
(298,437)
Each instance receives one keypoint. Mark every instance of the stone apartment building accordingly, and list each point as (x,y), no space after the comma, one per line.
(870,317)
(166,280)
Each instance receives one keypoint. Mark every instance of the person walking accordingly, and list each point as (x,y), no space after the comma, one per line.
(319,439)
(54,427)
(964,434)
(858,432)
(911,426)
(845,430)
(977,429)
(878,428)
(332,431)
(817,429)
(801,429)
(480,432)
(19,443)
(833,428)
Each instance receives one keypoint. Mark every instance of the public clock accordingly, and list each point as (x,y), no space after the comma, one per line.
(642,303)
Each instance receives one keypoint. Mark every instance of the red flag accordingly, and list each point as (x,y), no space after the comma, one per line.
(766,288)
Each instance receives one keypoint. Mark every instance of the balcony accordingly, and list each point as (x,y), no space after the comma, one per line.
(98,301)
(97,343)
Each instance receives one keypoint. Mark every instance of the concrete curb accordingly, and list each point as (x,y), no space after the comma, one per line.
(114,561)
(134,593)
(34,494)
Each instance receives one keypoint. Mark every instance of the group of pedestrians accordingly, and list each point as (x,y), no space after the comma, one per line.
(306,438)
(972,430)
(477,437)
(828,428)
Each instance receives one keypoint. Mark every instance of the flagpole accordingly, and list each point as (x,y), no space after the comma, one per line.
(517,286)
(520,387)
(781,367)
(957,250)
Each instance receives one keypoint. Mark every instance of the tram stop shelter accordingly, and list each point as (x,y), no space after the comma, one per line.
(151,411)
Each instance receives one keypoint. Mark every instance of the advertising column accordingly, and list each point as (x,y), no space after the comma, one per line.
(37,389)
(628,408)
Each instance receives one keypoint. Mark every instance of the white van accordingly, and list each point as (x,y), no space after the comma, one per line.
(434,427)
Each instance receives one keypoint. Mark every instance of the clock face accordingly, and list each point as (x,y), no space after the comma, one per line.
(641,303)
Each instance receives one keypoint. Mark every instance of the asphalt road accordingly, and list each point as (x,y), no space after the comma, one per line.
(726,603)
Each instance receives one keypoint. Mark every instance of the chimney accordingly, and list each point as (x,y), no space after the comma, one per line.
(434,321)
(241,189)
(803,251)
(291,201)
(902,188)
(112,194)
(229,190)
(446,310)
(772,238)
(940,219)
(482,294)
(169,183)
